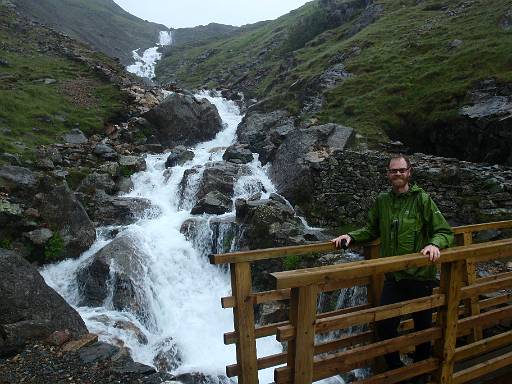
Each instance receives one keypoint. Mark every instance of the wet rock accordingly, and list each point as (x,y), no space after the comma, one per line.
(220,177)
(133,329)
(214,202)
(97,352)
(169,358)
(94,278)
(271,313)
(75,136)
(29,309)
(238,154)
(110,167)
(84,341)
(39,236)
(124,364)
(178,156)
(200,378)
(110,210)
(59,338)
(182,119)
(124,185)
(264,132)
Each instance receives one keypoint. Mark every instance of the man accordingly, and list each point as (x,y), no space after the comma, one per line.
(407,221)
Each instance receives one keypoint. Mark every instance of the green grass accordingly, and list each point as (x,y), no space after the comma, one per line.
(406,78)
(35,113)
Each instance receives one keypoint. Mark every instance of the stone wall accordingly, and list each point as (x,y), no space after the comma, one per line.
(347,182)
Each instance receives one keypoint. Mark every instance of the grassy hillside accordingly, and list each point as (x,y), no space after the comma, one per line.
(44,92)
(101,23)
(410,69)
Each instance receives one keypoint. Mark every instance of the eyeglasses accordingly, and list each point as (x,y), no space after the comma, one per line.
(398,170)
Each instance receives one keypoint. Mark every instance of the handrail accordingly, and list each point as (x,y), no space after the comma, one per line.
(359,269)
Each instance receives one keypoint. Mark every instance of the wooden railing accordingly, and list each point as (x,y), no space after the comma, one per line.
(303,363)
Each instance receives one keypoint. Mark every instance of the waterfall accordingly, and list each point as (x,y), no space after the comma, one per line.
(181,290)
(144,65)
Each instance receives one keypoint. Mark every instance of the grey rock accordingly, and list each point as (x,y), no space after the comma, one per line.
(264,132)
(39,236)
(506,20)
(29,309)
(59,208)
(9,208)
(75,136)
(301,152)
(105,151)
(455,43)
(182,119)
(10,159)
(110,167)
(17,179)
(98,351)
(178,156)
(213,203)
(128,294)
(132,163)
(124,184)
(110,210)
(97,181)
(219,176)
(238,154)
(169,357)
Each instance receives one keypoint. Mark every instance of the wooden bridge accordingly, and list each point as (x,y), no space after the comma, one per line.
(461,315)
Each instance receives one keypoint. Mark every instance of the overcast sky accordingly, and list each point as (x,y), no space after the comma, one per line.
(190,13)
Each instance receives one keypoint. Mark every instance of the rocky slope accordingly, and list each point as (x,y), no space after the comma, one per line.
(434,75)
(101,23)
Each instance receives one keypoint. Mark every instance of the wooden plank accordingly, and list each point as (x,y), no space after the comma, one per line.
(451,281)
(485,319)
(287,332)
(481,369)
(271,329)
(402,374)
(305,333)
(366,268)
(483,227)
(493,277)
(281,358)
(271,253)
(494,301)
(471,303)
(486,287)
(243,314)
(483,346)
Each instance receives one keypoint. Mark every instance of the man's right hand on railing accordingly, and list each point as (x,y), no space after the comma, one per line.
(342,241)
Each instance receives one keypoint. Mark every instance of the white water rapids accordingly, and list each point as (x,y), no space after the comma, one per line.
(144,65)
(184,290)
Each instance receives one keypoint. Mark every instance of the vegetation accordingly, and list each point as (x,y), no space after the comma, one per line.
(53,248)
(44,94)
(411,68)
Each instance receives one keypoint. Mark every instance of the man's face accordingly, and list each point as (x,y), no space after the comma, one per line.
(398,173)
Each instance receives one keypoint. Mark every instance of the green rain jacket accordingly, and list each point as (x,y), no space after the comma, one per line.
(406,223)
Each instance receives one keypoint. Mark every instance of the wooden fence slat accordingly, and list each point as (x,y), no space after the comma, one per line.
(483,346)
(243,314)
(451,282)
(402,374)
(486,287)
(481,369)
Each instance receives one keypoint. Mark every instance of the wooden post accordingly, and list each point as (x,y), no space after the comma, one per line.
(371,252)
(451,281)
(243,314)
(302,317)
(471,304)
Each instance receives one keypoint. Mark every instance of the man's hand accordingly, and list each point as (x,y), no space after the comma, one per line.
(432,252)
(339,240)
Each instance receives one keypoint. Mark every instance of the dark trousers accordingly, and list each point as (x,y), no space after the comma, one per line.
(393,292)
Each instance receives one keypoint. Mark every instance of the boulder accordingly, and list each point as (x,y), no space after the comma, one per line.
(183,119)
(59,208)
(105,151)
(18,180)
(169,358)
(213,202)
(30,309)
(75,136)
(124,278)
(264,132)
(39,236)
(117,210)
(131,164)
(97,181)
(219,176)
(296,158)
(178,156)
(238,154)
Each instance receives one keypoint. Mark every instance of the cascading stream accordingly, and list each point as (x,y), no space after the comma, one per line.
(144,65)
(182,290)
